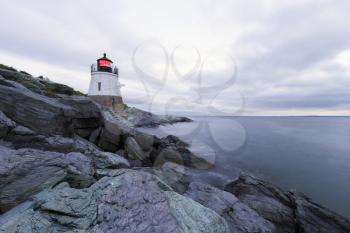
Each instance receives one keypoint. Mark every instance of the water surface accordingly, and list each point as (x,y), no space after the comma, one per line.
(309,154)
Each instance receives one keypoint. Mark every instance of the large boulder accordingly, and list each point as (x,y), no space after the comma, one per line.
(25,172)
(239,216)
(114,131)
(87,116)
(40,113)
(125,201)
(288,211)
(173,149)
(134,151)
(47,115)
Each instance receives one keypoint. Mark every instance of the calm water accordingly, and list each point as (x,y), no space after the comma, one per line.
(310,154)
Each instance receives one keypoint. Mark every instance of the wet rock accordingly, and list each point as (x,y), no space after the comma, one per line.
(25,172)
(239,216)
(125,201)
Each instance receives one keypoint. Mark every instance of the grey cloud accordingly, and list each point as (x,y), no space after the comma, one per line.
(289,39)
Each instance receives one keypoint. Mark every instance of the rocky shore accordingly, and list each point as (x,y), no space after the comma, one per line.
(140,118)
(70,165)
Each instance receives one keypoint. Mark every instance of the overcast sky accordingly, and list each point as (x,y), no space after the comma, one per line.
(205,57)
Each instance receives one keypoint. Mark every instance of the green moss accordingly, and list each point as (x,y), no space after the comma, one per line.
(39,85)
(2,66)
(78,93)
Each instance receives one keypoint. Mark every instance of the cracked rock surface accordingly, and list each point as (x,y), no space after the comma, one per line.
(124,201)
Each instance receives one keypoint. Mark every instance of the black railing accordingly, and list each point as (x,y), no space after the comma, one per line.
(111,69)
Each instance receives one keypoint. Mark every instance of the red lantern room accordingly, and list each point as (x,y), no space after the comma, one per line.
(104,65)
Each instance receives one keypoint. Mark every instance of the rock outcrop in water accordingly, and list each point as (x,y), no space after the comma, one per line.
(288,211)
(70,165)
(140,118)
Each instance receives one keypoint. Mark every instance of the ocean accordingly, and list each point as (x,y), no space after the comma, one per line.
(309,154)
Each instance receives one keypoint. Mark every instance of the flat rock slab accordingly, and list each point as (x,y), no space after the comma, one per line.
(125,201)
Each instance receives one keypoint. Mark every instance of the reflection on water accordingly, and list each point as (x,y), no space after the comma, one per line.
(310,154)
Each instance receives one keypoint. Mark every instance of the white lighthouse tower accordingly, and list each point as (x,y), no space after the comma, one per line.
(104,85)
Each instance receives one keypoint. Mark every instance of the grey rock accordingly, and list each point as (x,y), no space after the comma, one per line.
(172,149)
(47,115)
(173,140)
(25,172)
(134,150)
(6,125)
(101,159)
(114,128)
(289,212)
(145,141)
(38,85)
(40,113)
(94,135)
(311,217)
(140,118)
(178,177)
(125,201)
(87,116)
(239,216)
(21,135)
(266,199)
(168,154)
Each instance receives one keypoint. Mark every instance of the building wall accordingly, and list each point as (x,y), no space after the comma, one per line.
(110,85)
(114,102)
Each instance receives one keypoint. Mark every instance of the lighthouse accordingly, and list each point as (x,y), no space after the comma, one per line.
(104,84)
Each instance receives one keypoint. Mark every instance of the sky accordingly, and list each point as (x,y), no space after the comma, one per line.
(201,57)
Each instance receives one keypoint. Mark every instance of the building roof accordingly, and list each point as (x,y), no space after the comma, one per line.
(104,58)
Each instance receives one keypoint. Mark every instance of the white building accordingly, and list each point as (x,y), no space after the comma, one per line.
(104,84)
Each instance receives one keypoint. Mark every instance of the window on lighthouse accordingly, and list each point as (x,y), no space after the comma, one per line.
(99,86)
(105,63)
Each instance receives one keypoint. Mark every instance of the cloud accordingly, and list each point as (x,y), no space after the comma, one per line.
(292,57)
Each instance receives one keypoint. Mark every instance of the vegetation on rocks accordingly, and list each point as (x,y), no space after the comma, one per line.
(38,85)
